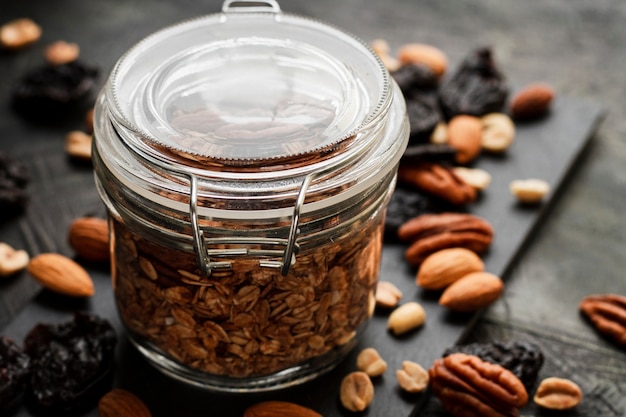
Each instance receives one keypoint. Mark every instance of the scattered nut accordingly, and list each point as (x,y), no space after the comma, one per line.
(437,180)
(412,377)
(61,52)
(472,292)
(446,266)
(465,135)
(498,132)
(19,33)
(89,237)
(89,120)
(279,409)
(417,53)
(532,102)
(530,191)
(558,394)
(78,145)
(406,317)
(387,294)
(62,275)
(122,403)
(357,391)
(440,134)
(11,260)
(474,177)
(381,47)
(607,313)
(466,385)
(430,233)
(370,362)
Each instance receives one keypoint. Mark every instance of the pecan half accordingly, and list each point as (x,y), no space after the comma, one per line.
(430,233)
(439,181)
(467,386)
(608,315)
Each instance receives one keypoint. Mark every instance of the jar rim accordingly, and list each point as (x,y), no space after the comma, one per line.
(170,107)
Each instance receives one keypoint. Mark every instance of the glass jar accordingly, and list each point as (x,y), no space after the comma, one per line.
(246,159)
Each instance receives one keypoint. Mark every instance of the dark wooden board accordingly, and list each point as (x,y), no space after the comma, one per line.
(547,149)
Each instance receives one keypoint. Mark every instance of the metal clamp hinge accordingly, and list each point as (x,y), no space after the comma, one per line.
(266,249)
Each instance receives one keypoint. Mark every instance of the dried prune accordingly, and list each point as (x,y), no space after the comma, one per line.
(14,178)
(14,371)
(52,89)
(424,115)
(406,203)
(429,152)
(477,87)
(521,357)
(412,78)
(72,363)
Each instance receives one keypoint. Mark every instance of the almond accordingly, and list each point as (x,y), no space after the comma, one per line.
(531,102)
(465,135)
(279,409)
(446,266)
(122,403)
(419,53)
(60,274)
(89,237)
(472,292)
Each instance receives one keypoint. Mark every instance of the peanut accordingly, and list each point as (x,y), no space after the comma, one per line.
(357,391)
(498,132)
(19,33)
(12,260)
(370,362)
(78,145)
(406,317)
(474,177)
(529,191)
(381,47)
(558,394)
(387,295)
(61,52)
(412,377)
(440,134)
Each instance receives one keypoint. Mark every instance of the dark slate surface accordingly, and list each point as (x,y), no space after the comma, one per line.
(576,250)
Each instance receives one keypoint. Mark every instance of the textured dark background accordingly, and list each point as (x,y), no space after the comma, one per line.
(579,249)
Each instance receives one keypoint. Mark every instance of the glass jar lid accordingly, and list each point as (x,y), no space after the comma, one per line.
(248,87)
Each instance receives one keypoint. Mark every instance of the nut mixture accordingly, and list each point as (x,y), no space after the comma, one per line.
(248,321)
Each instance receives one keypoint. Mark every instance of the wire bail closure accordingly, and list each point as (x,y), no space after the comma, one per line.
(250,6)
(207,265)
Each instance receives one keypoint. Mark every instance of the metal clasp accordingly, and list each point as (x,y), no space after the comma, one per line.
(287,255)
(250,6)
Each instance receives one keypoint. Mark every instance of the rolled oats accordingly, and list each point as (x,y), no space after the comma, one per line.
(246,321)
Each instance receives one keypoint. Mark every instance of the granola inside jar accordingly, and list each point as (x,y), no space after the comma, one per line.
(246,159)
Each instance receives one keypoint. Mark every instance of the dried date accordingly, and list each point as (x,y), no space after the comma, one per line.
(407,203)
(51,89)
(477,88)
(14,179)
(424,115)
(523,358)
(412,78)
(72,363)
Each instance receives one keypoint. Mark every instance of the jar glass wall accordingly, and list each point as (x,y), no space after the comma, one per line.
(247,234)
